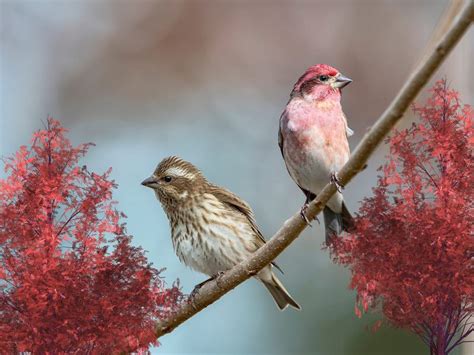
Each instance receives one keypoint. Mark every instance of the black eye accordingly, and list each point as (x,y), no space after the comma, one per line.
(167,179)
(323,78)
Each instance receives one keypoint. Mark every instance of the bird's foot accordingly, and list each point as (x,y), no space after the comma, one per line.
(218,277)
(196,289)
(303,211)
(335,180)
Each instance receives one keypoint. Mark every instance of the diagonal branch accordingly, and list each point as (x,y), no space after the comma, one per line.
(291,229)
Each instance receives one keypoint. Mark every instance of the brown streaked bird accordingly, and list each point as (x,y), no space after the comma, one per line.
(212,229)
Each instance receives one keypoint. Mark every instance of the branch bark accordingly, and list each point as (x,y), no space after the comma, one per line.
(291,229)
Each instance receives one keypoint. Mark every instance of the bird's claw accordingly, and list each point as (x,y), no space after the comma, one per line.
(193,295)
(335,180)
(303,214)
(196,289)
(218,277)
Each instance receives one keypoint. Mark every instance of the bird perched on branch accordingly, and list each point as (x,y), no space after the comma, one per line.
(212,229)
(313,141)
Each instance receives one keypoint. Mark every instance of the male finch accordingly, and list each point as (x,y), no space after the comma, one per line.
(212,229)
(313,140)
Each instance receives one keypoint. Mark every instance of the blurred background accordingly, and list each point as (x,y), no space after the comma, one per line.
(208,80)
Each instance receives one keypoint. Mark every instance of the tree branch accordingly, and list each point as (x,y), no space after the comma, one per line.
(291,229)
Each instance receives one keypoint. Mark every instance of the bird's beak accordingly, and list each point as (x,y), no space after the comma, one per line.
(341,81)
(150,182)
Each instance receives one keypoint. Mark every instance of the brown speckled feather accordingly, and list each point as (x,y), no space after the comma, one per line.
(233,201)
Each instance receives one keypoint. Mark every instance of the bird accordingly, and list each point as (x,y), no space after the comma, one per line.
(212,229)
(312,137)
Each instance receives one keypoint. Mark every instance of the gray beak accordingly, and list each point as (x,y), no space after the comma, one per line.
(341,81)
(150,182)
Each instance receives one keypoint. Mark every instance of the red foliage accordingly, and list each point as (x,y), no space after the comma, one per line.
(412,252)
(70,280)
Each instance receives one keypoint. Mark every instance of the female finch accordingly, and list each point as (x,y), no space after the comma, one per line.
(313,140)
(212,229)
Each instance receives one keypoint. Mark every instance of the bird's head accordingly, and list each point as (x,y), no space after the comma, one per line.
(320,81)
(175,180)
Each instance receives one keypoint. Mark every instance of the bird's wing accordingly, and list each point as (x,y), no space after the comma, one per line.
(233,201)
(280,135)
(309,195)
(236,203)
(349,132)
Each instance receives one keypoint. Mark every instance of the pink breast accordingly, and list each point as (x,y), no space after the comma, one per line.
(315,129)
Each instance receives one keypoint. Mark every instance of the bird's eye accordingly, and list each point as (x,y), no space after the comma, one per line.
(167,179)
(323,78)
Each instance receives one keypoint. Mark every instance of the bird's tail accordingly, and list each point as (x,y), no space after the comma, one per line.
(335,223)
(280,295)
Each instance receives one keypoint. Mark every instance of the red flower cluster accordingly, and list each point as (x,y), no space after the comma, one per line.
(70,281)
(412,251)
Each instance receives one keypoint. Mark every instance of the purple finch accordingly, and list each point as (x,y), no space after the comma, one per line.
(313,140)
(212,229)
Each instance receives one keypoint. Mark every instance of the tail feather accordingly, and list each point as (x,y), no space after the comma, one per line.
(335,223)
(280,295)
(347,219)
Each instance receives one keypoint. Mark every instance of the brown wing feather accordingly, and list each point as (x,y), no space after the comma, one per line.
(238,204)
(232,200)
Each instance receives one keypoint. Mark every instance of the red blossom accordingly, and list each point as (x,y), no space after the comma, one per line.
(412,252)
(70,279)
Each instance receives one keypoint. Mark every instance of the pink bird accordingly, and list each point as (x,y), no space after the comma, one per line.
(313,141)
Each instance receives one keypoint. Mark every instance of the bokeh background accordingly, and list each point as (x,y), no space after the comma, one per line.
(207,80)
